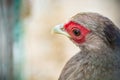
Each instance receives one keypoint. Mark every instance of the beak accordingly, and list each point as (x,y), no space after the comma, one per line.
(59,29)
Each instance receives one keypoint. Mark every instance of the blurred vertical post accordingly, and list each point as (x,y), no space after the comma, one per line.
(8,18)
(6,41)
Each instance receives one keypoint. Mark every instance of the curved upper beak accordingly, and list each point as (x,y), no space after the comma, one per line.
(59,29)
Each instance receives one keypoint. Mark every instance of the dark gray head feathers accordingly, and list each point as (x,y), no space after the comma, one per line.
(101,26)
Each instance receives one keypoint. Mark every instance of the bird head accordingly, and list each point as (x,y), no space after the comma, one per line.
(84,25)
(76,32)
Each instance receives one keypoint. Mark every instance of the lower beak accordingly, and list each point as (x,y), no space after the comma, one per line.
(59,29)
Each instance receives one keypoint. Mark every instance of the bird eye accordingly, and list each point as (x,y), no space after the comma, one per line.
(76,32)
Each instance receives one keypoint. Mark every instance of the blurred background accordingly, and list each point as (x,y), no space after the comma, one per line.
(28,50)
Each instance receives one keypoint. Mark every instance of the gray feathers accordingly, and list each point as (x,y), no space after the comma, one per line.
(99,58)
(101,26)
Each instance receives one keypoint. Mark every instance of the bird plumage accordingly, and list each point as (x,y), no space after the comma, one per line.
(99,58)
(100,25)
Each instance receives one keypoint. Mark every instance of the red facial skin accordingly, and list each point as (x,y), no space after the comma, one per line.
(70,26)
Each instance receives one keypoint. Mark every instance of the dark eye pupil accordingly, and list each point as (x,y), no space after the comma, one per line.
(76,32)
